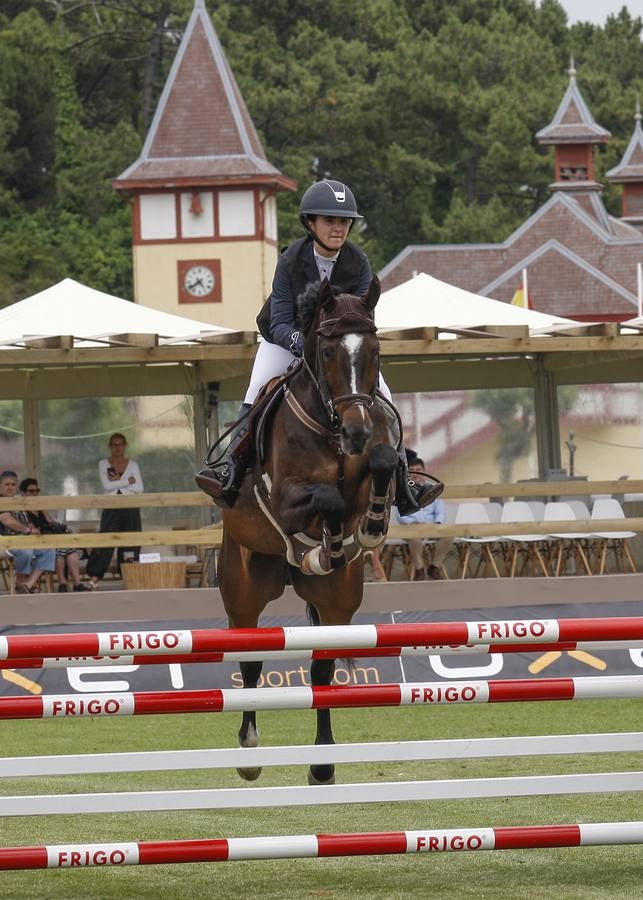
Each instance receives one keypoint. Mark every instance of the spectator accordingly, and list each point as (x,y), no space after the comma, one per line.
(67,559)
(434,513)
(118,475)
(29,564)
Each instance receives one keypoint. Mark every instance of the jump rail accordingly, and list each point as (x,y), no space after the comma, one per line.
(66,662)
(149,703)
(324,795)
(310,846)
(333,637)
(320,754)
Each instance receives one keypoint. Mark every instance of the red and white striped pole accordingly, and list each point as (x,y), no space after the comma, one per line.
(307,846)
(141,703)
(334,637)
(168,659)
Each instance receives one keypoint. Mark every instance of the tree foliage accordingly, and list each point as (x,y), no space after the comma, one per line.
(428,108)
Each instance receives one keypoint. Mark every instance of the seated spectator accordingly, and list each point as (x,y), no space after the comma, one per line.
(29,564)
(434,513)
(67,559)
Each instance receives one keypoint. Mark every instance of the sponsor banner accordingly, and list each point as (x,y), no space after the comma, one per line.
(462,669)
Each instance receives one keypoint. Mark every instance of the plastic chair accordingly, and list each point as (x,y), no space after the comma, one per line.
(538,509)
(475,514)
(568,546)
(524,545)
(612,540)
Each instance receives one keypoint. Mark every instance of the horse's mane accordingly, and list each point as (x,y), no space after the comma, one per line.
(307,305)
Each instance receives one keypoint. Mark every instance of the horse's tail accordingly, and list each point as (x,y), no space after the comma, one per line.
(312,615)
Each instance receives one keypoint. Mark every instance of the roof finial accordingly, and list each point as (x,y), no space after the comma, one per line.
(199,4)
(637,117)
(572,69)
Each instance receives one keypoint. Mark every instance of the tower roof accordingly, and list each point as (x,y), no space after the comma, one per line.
(201,131)
(573,122)
(630,167)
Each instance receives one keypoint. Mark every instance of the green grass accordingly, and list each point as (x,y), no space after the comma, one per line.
(614,872)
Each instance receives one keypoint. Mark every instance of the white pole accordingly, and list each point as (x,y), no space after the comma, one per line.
(639,285)
(525,294)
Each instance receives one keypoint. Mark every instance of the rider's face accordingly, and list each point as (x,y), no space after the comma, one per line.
(332,231)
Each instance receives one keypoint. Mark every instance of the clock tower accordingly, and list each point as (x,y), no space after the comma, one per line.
(203,193)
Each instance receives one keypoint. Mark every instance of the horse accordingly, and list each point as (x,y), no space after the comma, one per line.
(320,495)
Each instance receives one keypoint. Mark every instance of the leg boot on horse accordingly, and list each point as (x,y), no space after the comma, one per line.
(410,495)
(222,480)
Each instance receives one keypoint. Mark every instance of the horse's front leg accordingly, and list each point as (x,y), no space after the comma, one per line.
(374,523)
(328,504)
(299,505)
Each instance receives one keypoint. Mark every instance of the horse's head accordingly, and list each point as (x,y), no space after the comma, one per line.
(341,352)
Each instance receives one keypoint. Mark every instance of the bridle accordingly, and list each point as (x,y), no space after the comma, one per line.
(350,323)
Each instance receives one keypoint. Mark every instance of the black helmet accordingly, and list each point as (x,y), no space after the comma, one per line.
(328,198)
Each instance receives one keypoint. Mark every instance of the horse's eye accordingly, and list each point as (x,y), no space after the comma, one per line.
(327,354)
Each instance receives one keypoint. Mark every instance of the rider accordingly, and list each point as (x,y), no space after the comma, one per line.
(327,212)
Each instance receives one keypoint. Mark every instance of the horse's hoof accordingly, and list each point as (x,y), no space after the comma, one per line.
(250,774)
(313,780)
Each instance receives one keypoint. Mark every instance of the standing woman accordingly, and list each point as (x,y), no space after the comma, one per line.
(118,475)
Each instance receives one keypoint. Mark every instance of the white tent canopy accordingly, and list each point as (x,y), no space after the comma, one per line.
(71,308)
(424,301)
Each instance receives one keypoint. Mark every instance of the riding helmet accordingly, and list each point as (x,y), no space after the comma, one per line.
(328,198)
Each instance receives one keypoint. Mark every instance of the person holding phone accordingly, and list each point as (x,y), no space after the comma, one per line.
(118,475)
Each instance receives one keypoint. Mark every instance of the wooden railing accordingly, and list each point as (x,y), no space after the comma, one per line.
(211,536)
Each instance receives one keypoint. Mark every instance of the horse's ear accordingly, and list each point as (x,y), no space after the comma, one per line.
(373,293)
(326,297)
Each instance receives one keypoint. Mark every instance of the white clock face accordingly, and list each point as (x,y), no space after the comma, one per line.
(199,281)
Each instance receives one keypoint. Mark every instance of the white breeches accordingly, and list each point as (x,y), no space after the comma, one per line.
(271,361)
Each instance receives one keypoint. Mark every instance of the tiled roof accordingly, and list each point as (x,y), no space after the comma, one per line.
(573,122)
(579,262)
(630,167)
(201,128)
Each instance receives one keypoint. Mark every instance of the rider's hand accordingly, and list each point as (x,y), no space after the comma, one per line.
(296,343)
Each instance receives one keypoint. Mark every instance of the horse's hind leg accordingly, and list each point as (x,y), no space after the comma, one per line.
(321,673)
(248,581)
(335,598)
(249,733)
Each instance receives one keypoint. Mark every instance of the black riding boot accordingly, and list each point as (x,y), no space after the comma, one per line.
(410,496)
(222,480)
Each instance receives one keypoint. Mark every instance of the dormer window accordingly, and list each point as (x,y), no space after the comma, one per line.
(573,173)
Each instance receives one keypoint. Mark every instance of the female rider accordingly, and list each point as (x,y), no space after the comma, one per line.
(327,212)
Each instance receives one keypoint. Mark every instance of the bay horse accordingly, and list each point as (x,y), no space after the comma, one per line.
(321,492)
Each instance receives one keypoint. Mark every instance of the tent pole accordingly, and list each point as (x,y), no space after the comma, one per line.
(201,437)
(547,420)
(31,422)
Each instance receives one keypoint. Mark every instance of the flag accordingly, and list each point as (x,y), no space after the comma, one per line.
(518,299)
(521,297)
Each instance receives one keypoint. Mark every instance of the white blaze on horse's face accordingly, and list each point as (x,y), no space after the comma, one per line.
(353,344)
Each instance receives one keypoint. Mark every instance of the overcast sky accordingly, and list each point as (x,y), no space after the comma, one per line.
(597,11)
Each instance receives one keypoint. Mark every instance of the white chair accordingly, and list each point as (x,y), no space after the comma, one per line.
(494,510)
(580,509)
(525,545)
(614,541)
(475,514)
(538,509)
(567,546)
